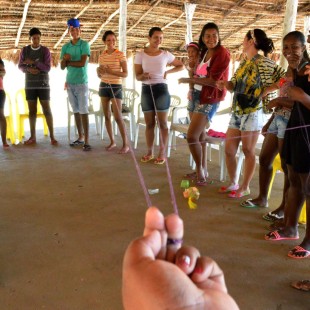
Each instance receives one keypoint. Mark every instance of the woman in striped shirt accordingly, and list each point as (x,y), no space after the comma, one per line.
(112,69)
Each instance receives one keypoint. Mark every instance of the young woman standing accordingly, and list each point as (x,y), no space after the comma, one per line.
(112,69)
(254,74)
(151,70)
(2,101)
(214,66)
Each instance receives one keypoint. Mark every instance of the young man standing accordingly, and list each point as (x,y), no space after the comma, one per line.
(74,57)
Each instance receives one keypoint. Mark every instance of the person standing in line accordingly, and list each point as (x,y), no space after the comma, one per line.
(253,75)
(112,68)
(151,70)
(214,66)
(35,62)
(74,56)
(2,101)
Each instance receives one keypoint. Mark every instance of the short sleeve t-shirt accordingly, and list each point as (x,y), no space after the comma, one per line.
(76,75)
(113,61)
(154,65)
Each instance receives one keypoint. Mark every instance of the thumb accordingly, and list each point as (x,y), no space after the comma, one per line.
(146,247)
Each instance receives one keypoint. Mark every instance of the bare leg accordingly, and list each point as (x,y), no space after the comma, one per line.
(3,128)
(85,124)
(249,140)
(117,111)
(195,139)
(163,127)
(108,124)
(49,118)
(294,202)
(149,118)
(78,122)
(267,155)
(32,105)
(231,147)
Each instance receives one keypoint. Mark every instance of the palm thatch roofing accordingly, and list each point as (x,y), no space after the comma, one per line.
(234,18)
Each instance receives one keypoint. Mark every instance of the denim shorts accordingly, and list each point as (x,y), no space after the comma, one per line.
(78,97)
(247,122)
(278,126)
(2,98)
(32,94)
(207,109)
(157,94)
(111,90)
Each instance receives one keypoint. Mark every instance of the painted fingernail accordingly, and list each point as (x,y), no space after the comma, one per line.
(198,269)
(185,260)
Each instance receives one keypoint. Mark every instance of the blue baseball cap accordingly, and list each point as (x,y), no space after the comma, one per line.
(73,22)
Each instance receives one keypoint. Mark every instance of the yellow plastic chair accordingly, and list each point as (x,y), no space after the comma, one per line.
(10,135)
(277,167)
(22,113)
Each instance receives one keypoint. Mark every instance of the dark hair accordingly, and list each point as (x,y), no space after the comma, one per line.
(34,31)
(301,38)
(261,41)
(202,33)
(106,34)
(202,45)
(154,29)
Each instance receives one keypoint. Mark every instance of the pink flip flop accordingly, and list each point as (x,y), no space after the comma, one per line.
(298,253)
(235,194)
(275,236)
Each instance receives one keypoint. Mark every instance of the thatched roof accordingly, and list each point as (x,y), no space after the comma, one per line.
(234,17)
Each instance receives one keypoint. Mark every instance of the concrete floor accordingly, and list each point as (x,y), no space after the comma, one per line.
(66,217)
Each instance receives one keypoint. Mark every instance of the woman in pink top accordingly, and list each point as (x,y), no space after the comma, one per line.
(151,69)
(2,101)
(112,69)
(214,65)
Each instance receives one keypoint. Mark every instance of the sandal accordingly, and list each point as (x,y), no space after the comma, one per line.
(147,158)
(303,285)
(271,217)
(235,194)
(30,141)
(228,189)
(77,143)
(159,161)
(86,147)
(54,142)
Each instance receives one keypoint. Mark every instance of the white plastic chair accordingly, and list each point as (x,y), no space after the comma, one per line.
(129,98)
(174,103)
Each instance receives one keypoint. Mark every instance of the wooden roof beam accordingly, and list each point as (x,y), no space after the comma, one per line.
(22,22)
(147,12)
(77,16)
(105,23)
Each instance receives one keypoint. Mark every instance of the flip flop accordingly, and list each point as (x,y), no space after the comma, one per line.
(303,285)
(77,143)
(275,236)
(190,176)
(159,161)
(271,217)
(249,204)
(234,194)
(298,253)
(54,142)
(86,147)
(147,158)
(30,141)
(203,182)
(228,189)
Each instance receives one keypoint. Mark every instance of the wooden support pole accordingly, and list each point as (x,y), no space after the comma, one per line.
(122,27)
(189,13)
(289,23)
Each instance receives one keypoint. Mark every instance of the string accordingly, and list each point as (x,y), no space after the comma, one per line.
(172,194)
(137,167)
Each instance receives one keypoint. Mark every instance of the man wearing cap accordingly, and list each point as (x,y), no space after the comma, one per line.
(74,57)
